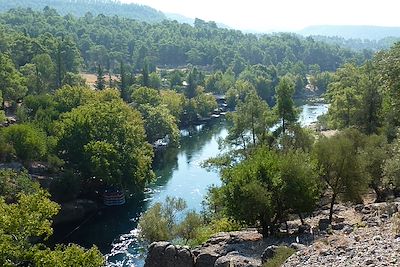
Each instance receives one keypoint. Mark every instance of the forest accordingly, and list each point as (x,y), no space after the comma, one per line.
(153,79)
(79,8)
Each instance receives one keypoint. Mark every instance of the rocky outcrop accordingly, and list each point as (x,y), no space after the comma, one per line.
(167,255)
(366,240)
(241,249)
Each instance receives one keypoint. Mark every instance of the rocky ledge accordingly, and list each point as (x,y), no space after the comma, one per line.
(367,239)
(360,235)
(240,249)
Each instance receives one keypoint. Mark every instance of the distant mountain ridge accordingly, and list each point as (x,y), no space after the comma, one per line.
(81,7)
(352,31)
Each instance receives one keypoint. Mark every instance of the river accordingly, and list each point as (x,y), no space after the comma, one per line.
(179,174)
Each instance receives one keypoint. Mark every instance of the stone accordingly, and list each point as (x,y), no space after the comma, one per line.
(297,246)
(323,224)
(359,207)
(206,259)
(338,227)
(304,228)
(369,261)
(268,253)
(325,252)
(234,260)
(167,255)
(348,229)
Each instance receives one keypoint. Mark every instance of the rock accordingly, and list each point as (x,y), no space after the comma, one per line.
(155,254)
(304,228)
(338,219)
(234,260)
(348,229)
(325,252)
(359,207)
(297,246)
(167,255)
(369,261)
(185,258)
(206,259)
(323,224)
(338,226)
(268,253)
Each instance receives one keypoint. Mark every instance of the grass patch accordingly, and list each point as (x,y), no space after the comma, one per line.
(282,253)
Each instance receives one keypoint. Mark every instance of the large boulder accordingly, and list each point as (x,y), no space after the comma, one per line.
(234,259)
(167,255)
(268,253)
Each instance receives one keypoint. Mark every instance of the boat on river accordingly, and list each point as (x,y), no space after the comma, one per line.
(114,197)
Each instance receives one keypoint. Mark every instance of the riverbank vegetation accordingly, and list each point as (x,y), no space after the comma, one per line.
(273,169)
(80,138)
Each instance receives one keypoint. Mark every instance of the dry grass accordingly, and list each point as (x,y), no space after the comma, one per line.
(91,78)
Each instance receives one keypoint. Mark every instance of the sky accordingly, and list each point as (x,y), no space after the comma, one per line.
(269,15)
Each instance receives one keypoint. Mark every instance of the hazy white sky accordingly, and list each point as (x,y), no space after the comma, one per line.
(283,14)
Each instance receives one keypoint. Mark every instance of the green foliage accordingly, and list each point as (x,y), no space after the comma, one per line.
(189,227)
(238,93)
(160,221)
(373,155)
(106,140)
(285,108)
(69,97)
(282,254)
(28,217)
(205,104)
(25,215)
(13,183)
(250,122)
(391,165)
(71,256)
(12,84)
(28,142)
(145,95)
(159,123)
(154,81)
(174,102)
(388,69)
(100,82)
(261,189)
(341,167)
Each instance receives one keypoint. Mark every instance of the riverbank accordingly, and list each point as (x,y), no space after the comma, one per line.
(360,235)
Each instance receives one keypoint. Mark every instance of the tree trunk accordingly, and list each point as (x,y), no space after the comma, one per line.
(265,229)
(287,227)
(253,130)
(331,208)
(301,218)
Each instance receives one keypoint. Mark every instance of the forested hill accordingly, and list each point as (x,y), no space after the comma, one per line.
(358,44)
(352,31)
(81,7)
(94,40)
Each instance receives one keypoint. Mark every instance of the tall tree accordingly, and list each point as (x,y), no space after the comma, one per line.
(106,140)
(123,84)
(100,82)
(285,108)
(12,84)
(338,158)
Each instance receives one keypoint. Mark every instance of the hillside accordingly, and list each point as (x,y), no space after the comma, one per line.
(81,7)
(355,32)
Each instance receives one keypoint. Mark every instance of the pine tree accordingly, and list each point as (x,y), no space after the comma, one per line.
(100,83)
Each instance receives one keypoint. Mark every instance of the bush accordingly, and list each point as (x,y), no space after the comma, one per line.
(282,254)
